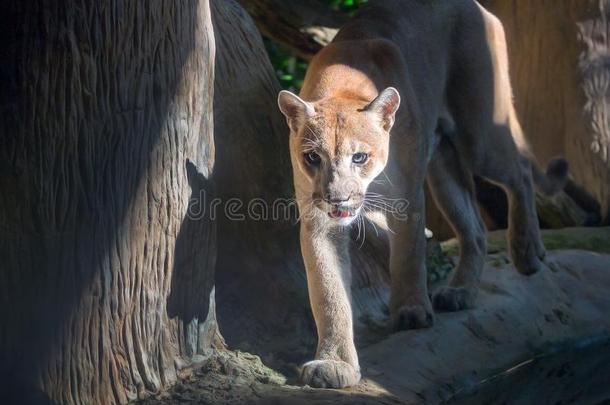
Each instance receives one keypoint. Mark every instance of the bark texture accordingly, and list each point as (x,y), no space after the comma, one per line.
(107,143)
(262,294)
(591,153)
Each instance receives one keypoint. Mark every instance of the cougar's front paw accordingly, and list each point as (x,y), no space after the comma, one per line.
(414,316)
(451,299)
(329,374)
(552,264)
(528,265)
(528,254)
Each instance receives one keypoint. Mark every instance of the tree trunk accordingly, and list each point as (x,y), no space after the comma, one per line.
(560,74)
(262,294)
(107,143)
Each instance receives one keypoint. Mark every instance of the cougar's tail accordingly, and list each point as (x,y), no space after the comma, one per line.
(555,178)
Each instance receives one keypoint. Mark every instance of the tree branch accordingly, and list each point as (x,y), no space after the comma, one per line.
(303,26)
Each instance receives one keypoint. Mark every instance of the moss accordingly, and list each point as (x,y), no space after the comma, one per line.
(248,365)
(591,239)
(594,239)
(437,262)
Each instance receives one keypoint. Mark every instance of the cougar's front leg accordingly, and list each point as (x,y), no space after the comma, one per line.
(410,306)
(325,252)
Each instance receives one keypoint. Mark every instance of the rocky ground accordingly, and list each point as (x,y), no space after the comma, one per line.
(542,339)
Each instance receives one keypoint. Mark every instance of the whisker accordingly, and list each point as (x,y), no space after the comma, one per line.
(376,195)
(372,223)
(387,178)
(379,199)
(308,205)
(358,224)
(380,205)
(389,229)
(363,231)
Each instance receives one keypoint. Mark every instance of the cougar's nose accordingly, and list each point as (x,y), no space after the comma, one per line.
(337,200)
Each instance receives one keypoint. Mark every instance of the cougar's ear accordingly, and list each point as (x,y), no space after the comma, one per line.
(386,104)
(294,108)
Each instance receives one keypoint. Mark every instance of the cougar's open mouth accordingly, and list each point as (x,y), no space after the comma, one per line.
(344,215)
(341,213)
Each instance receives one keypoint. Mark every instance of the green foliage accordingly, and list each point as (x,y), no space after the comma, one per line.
(438,265)
(347,6)
(290,69)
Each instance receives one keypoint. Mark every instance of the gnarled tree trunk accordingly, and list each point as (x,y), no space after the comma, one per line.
(106,144)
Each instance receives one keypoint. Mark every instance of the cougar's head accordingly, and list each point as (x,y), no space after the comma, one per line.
(338,146)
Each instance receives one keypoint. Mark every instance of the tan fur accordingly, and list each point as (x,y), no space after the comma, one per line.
(445,64)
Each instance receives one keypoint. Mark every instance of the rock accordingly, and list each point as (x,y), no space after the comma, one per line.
(538,339)
(516,319)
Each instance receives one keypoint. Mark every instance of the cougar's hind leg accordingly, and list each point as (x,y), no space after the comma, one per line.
(489,137)
(410,305)
(501,162)
(452,187)
(515,175)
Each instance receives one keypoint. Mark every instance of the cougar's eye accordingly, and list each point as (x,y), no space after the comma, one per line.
(312,158)
(360,158)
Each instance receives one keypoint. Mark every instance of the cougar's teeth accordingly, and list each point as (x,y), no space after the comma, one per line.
(336,214)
